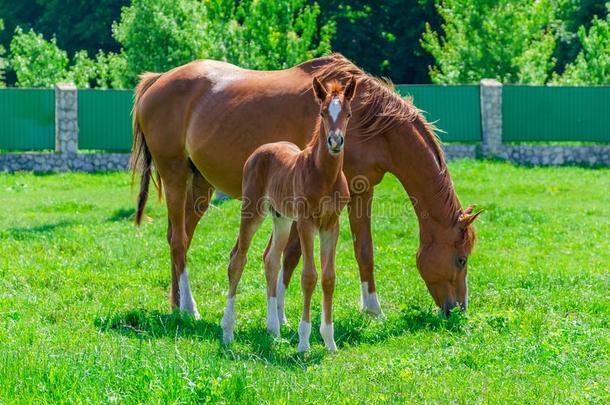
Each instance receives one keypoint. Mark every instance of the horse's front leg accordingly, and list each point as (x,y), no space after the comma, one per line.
(328,248)
(309,277)
(360,224)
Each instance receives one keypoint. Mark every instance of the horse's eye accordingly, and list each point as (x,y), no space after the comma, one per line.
(461,261)
(349,115)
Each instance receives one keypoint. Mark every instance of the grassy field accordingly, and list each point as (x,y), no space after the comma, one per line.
(84,315)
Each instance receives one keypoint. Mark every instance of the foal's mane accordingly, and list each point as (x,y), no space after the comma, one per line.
(382,109)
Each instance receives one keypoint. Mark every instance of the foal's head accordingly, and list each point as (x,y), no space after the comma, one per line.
(335,102)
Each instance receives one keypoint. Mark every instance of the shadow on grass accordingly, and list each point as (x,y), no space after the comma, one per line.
(253,343)
(34,232)
(122,214)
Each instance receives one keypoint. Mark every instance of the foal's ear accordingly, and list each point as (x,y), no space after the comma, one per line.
(319,90)
(350,89)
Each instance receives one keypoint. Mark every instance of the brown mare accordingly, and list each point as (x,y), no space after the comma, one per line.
(306,187)
(199,123)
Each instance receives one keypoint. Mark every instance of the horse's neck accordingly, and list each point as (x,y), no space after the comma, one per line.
(424,176)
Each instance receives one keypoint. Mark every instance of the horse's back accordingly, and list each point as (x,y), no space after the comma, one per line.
(217,114)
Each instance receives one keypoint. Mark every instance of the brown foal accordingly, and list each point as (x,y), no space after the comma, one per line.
(303,186)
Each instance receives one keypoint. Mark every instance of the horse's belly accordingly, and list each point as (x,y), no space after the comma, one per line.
(222,137)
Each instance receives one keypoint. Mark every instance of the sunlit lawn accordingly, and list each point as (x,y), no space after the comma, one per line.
(84,314)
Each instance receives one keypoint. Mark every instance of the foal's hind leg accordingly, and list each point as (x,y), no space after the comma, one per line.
(273,255)
(309,277)
(328,247)
(251,219)
(292,255)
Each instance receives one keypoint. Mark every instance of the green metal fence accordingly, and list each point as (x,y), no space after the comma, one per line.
(104,119)
(27,119)
(530,114)
(455,109)
(544,113)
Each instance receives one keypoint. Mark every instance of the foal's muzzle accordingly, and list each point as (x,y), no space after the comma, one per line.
(335,141)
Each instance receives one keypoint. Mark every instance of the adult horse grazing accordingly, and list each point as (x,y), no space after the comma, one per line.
(306,187)
(199,123)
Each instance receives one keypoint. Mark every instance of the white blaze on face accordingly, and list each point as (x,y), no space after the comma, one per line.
(334,108)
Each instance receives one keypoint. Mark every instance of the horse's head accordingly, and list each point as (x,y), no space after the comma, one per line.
(442,261)
(335,101)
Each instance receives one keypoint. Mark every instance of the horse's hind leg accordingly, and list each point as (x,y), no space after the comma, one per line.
(292,255)
(272,258)
(198,200)
(175,175)
(251,219)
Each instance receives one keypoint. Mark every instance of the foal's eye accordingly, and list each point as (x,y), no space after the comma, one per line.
(349,115)
(461,261)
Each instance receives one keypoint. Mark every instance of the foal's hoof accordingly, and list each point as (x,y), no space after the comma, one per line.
(327,331)
(227,337)
(274,330)
(304,333)
(282,319)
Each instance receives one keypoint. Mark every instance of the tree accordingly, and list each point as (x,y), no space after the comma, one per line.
(76,24)
(36,62)
(383,36)
(592,65)
(509,40)
(158,35)
(2,61)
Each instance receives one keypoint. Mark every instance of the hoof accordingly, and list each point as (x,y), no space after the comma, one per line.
(227,337)
(273,323)
(369,303)
(327,331)
(304,334)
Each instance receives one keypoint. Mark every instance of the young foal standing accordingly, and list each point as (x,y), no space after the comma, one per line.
(305,186)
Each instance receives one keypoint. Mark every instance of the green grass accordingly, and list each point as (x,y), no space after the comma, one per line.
(84,315)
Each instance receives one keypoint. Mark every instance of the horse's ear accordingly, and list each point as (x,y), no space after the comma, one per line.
(350,89)
(319,90)
(467,217)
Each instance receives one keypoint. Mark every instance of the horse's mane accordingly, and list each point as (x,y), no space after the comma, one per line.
(382,109)
(380,106)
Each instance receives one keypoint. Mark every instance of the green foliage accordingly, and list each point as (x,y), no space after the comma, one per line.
(77,24)
(509,40)
(35,61)
(262,34)
(592,65)
(85,312)
(383,36)
(2,60)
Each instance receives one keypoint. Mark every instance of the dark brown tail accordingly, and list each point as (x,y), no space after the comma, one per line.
(141,159)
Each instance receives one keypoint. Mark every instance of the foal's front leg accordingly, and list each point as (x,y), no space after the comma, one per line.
(309,277)
(272,258)
(328,248)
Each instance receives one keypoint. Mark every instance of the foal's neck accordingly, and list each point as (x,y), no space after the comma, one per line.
(327,166)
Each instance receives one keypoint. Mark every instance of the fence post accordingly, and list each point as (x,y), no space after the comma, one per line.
(66,118)
(491,116)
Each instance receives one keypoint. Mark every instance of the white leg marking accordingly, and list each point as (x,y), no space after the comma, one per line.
(281,294)
(228,321)
(187,303)
(273,324)
(369,301)
(304,333)
(328,334)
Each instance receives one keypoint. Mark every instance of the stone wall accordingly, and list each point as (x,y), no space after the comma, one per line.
(67,158)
